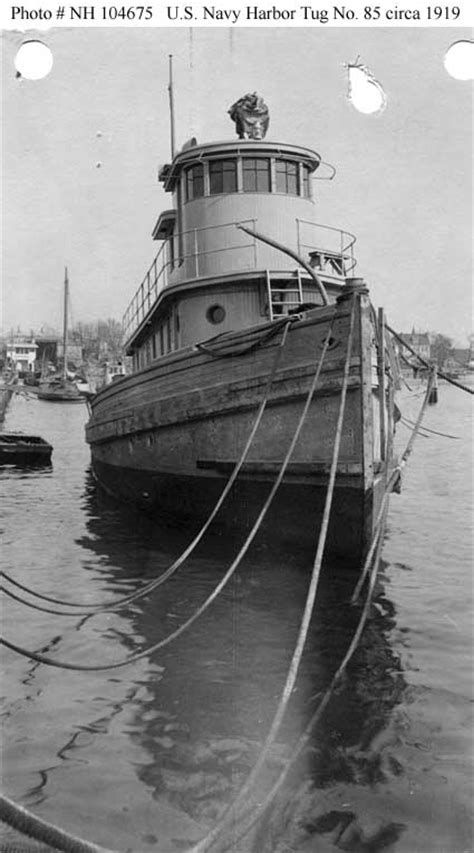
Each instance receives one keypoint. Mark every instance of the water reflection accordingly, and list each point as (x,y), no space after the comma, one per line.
(202,722)
(144,758)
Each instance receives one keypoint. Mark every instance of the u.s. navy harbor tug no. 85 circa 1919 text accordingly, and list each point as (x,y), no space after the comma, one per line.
(246,332)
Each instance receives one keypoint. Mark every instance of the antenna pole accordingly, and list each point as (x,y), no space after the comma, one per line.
(66,296)
(170,90)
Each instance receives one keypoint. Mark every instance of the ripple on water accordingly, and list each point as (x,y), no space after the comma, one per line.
(148,756)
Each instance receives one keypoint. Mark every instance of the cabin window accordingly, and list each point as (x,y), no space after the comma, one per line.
(305,184)
(286,177)
(215,314)
(171,252)
(153,346)
(222,176)
(194,181)
(256,175)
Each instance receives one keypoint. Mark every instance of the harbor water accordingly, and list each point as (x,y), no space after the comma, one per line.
(146,757)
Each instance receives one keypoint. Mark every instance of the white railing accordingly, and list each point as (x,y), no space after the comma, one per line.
(326,246)
(330,249)
(157,276)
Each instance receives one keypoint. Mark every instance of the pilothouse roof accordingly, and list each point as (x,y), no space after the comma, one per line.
(170,172)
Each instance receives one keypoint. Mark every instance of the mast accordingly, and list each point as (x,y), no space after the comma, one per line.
(171,94)
(66,297)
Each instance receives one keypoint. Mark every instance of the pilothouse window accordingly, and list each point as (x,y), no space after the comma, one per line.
(286,177)
(248,175)
(222,176)
(306,192)
(256,175)
(195,181)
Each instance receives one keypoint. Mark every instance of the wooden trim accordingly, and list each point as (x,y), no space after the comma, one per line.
(381,376)
(366,334)
(300,469)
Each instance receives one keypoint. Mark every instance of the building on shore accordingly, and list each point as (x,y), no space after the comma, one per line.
(419,342)
(21,353)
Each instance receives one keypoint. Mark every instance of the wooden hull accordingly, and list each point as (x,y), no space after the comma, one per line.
(292,522)
(168,437)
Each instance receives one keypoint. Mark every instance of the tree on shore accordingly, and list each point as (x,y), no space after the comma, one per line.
(441,347)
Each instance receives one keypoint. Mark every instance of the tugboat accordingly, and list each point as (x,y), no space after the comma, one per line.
(246,299)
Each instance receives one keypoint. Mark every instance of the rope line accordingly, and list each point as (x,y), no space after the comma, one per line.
(408,426)
(175,634)
(248,818)
(394,476)
(228,815)
(427,364)
(434,431)
(373,558)
(39,607)
(267,336)
(29,824)
(91,609)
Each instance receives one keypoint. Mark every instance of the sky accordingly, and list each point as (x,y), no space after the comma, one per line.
(82,149)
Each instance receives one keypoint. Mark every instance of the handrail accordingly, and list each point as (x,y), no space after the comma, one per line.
(157,277)
(135,312)
(340,231)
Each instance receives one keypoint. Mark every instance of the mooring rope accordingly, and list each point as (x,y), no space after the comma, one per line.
(166,640)
(203,346)
(250,816)
(29,824)
(229,814)
(374,555)
(421,432)
(411,423)
(427,364)
(92,609)
(392,480)
(39,607)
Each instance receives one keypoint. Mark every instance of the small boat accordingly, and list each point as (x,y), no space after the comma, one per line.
(23,450)
(60,388)
(243,257)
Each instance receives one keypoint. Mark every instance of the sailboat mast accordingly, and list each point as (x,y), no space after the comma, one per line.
(66,297)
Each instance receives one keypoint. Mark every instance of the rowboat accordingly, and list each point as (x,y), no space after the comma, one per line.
(19,449)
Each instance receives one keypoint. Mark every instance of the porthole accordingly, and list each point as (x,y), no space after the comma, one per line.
(215,314)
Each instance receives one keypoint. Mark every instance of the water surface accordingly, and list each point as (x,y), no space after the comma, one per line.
(146,757)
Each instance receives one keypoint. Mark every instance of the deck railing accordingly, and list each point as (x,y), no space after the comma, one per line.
(330,250)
